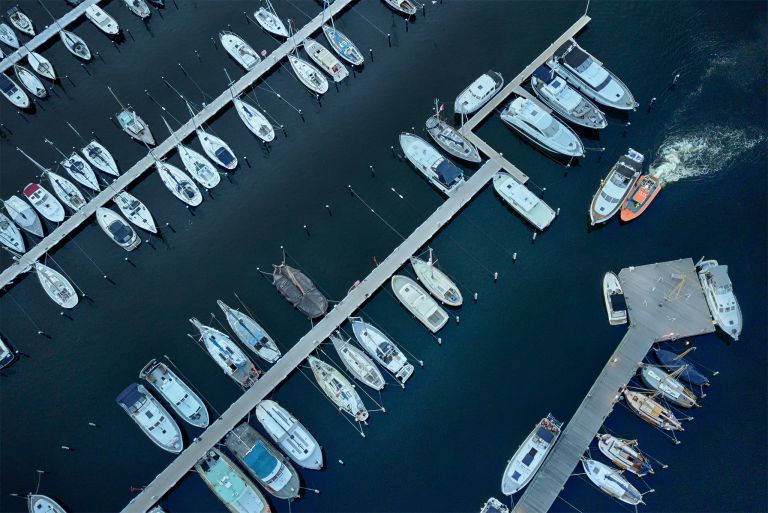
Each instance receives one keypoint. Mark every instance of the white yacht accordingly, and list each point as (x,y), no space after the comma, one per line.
(81,171)
(419,303)
(610,481)
(23,215)
(541,128)
(41,65)
(309,75)
(227,355)
(613,295)
(325,60)
(251,333)
(30,81)
(338,389)
(100,158)
(668,385)
(75,44)
(199,167)
(382,349)
(117,229)
(20,20)
(230,485)
(8,36)
(37,503)
(343,45)
(217,150)
(102,20)
(48,206)
(436,281)
(441,172)
(12,92)
(290,435)
(184,401)
(270,21)
(523,201)
(56,286)
(151,417)
(66,191)
(357,362)
(241,51)
(10,236)
(135,211)
(256,122)
(718,291)
(615,188)
(478,93)
(530,455)
(554,91)
(179,184)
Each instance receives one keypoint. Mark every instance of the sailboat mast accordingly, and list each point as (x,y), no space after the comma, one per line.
(75,131)
(116,98)
(170,130)
(54,147)
(36,163)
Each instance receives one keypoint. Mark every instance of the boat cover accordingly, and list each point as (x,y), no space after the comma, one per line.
(575,57)
(299,291)
(618,302)
(447,172)
(6,85)
(130,396)
(121,232)
(260,460)
(545,434)
(224,156)
(544,73)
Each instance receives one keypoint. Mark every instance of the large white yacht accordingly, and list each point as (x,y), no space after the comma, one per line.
(718,290)
(541,128)
(530,455)
(616,187)
(522,200)
(440,171)
(553,90)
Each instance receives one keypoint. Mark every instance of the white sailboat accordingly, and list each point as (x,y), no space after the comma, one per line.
(338,389)
(41,65)
(66,191)
(45,204)
(610,481)
(290,434)
(117,229)
(13,92)
(381,349)
(30,81)
(56,286)
(254,120)
(139,8)
(10,236)
(216,149)
(325,60)
(78,168)
(23,215)
(242,52)
(135,211)
(251,333)
(75,44)
(343,45)
(269,20)
(309,75)
(102,20)
(179,184)
(195,164)
(417,301)
(132,124)
(99,157)
(20,20)
(357,362)
(227,355)
(8,36)
(436,281)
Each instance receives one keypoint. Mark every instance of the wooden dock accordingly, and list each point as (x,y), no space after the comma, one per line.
(664,302)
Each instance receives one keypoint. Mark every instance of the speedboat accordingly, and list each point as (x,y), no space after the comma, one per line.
(135,211)
(290,435)
(12,92)
(263,461)
(232,487)
(673,361)
(75,44)
(419,303)
(270,21)
(179,184)
(199,167)
(338,389)
(450,139)
(37,503)
(381,349)
(625,454)
(134,126)
(250,333)
(530,455)
(66,191)
(48,206)
(23,215)
(100,158)
(648,186)
(299,290)
(81,171)
(611,482)
(10,236)
(522,200)
(613,295)
(20,20)
(590,77)
(668,385)
(436,281)
(183,400)
(151,417)
(325,60)
(309,75)
(7,355)
(615,188)
(406,7)
(718,290)
(30,81)
(541,128)
(139,8)
(241,51)
(56,286)
(343,46)
(554,91)
(8,36)
(479,92)
(441,172)
(357,362)
(102,20)
(217,150)
(41,65)
(254,120)
(227,355)
(651,411)
(117,229)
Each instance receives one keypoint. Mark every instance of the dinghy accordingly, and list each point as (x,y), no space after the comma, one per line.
(12,92)
(42,504)
(616,187)
(41,65)
(10,236)
(357,362)
(217,150)
(450,139)
(610,481)
(419,303)
(66,191)
(338,389)
(56,286)
(230,485)
(722,302)
(134,126)
(381,349)
(625,454)
(20,20)
(325,60)
(251,333)
(613,296)
(102,20)
(299,290)
(402,6)
(554,91)
(30,81)
(270,21)
(81,171)
(227,355)
(135,211)
(673,361)
(117,229)
(153,419)
(309,75)
(288,433)
(8,36)
(532,208)
(241,51)
(179,184)
(436,281)
(23,215)
(254,120)
(478,93)
(668,385)
(343,46)
(183,400)
(530,455)
(46,205)
(195,164)
(75,44)
(440,172)
(139,8)
(100,158)
(651,411)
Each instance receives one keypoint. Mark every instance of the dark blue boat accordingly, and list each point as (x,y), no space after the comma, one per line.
(671,362)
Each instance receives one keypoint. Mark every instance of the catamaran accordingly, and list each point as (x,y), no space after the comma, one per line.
(151,417)
(610,481)
(20,20)
(478,93)
(117,229)
(46,205)
(12,92)
(718,290)
(616,187)
(37,503)
(102,20)
(75,44)
(325,60)
(342,45)
(530,455)
(41,65)
(195,164)
(135,211)
(241,51)
(440,171)
(651,411)
(541,128)
(554,91)
(179,184)
(10,236)
(227,355)
(436,281)
(532,208)
(254,120)
(449,138)
(250,333)
(625,454)
(30,81)
(673,361)
(269,20)
(184,401)
(56,286)
(338,389)
(66,191)
(299,290)
(8,36)
(139,8)
(381,348)
(132,124)
(613,296)
(309,75)
(357,362)
(288,433)
(406,7)
(648,186)
(419,303)
(225,479)
(23,215)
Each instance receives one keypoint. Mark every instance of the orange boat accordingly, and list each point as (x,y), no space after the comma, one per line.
(645,191)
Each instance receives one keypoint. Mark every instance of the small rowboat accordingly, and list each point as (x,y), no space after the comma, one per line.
(638,200)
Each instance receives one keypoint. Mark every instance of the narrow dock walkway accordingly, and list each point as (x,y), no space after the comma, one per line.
(298,353)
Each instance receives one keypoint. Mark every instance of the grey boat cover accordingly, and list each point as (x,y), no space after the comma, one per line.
(299,291)
(627,166)
(544,73)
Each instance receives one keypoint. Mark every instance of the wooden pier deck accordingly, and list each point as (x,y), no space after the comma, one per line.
(664,302)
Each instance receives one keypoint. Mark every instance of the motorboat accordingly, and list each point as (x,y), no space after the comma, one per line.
(135,211)
(450,139)
(613,295)
(241,51)
(406,7)
(615,188)
(554,91)
(151,417)
(648,186)
(651,411)
(338,389)
(440,172)
(134,126)
(41,65)
(102,20)
(722,302)
(668,385)
(611,482)
(290,435)
(343,45)
(77,167)
(625,454)
(299,290)
(250,333)
(139,8)
(75,44)
(673,361)
(66,191)
(589,76)
(494,505)
(45,204)
(20,20)
(478,93)
(357,362)
(183,400)
(30,81)
(328,62)
(8,36)
(7,354)
(217,150)
(417,301)
(100,158)
(58,288)
(179,184)
(270,21)
(381,349)
(117,229)
(254,120)
(309,75)
(532,208)
(37,503)
(530,455)
(10,236)
(534,123)
(227,355)
(232,487)
(263,461)
(436,281)
(23,215)
(12,92)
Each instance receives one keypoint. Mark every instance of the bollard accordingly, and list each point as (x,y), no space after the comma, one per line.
(198,55)
(214,43)
(457,320)
(92,424)
(475,297)
(66,447)
(393,150)
(328,208)
(514,257)
(534,237)
(674,80)
(306,230)
(370,52)
(245,158)
(389,40)
(406,24)
(341,462)
(285,134)
(168,225)
(246,17)
(557,212)
(373,173)
(439,341)
(650,104)
(301,116)
(495,277)
(423,10)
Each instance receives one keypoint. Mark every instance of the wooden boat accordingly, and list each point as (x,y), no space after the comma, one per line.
(436,281)
(45,204)
(75,44)
(20,20)
(357,362)
(8,36)
(41,65)
(625,454)
(102,20)
(23,215)
(610,481)
(651,411)
(613,296)
(338,389)
(402,6)
(66,191)
(117,229)
(135,211)
(646,190)
(321,56)
(56,286)
(343,46)
(417,301)
(30,81)
(10,236)
(309,75)
(13,92)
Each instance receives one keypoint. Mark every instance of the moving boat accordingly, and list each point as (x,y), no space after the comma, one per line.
(66,191)
(41,65)
(241,51)
(441,172)
(135,211)
(75,44)
(195,164)
(530,455)
(651,411)
(12,92)
(325,59)
(225,479)
(613,295)
(37,503)
(254,120)
(20,20)
(139,8)
(217,150)
(478,93)
(7,355)
(616,187)
(48,206)
(589,76)
(56,286)
(554,91)
(668,385)
(436,281)
(532,208)
(117,229)
(382,349)
(722,302)
(610,481)
(419,303)
(151,417)
(183,400)
(100,158)
(309,75)
(10,236)
(402,6)
(338,389)
(673,361)
(299,290)
(251,333)
(8,36)
(102,20)
(625,454)
(638,200)
(541,128)
(30,81)
(449,138)
(227,355)
(179,184)
(357,362)
(271,469)
(290,434)
(343,46)
(23,215)
(270,21)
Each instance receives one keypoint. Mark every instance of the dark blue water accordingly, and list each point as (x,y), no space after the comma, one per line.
(532,344)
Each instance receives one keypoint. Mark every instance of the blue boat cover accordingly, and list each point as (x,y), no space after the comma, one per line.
(6,85)
(544,73)
(130,396)
(545,434)
(260,460)
(224,156)
(447,172)
(618,302)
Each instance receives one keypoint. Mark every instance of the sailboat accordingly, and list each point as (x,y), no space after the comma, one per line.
(56,286)
(227,355)
(41,65)
(139,8)
(668,385)
(20,20)
(270,21)
(338,389)
(402,6)
(309,75)
(179,184)
(624,453)
(102,20)
(381,349)
(135,211)
(357,362)
(672,361)
(12,92)
(117,229)
(343,45)
(651,411)
(46,205)
(132,124)
(10,236)
(254,120)
(241,51)
(75,44)
(290,434)
(78,168)
(43,504)
(23,215)
(251,333)
(195,164)
(66,191)
(216,149)
(8,36)
(99,156)
(449,138)
(436,281)
(611,482)
(325,60)
(30,81)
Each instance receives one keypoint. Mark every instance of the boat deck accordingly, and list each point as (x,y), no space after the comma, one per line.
(664,302)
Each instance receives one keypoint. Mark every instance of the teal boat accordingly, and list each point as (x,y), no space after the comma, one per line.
(238,493)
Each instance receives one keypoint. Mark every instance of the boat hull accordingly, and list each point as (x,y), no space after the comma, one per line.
(343,46)
(611,287)
(290,435)
(338,389)
(24,216)
(381,349)
(358,363)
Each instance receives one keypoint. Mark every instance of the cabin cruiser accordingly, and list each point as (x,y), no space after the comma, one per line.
(37,503)
(554,91)
(419,303)
(230,485)
(290,434)
(48,206)
(7,355)
(722,302)
(10,236)
(357,362)
(615,188)
(23,215)
(382,349)
(530,455)
(441,172)
(117,229)
(613,295)
(184,401)
(20,20)
(102,20)
(325,59)
(523,201)
(151,417)
(541,128)
(339,390)
(478,93)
